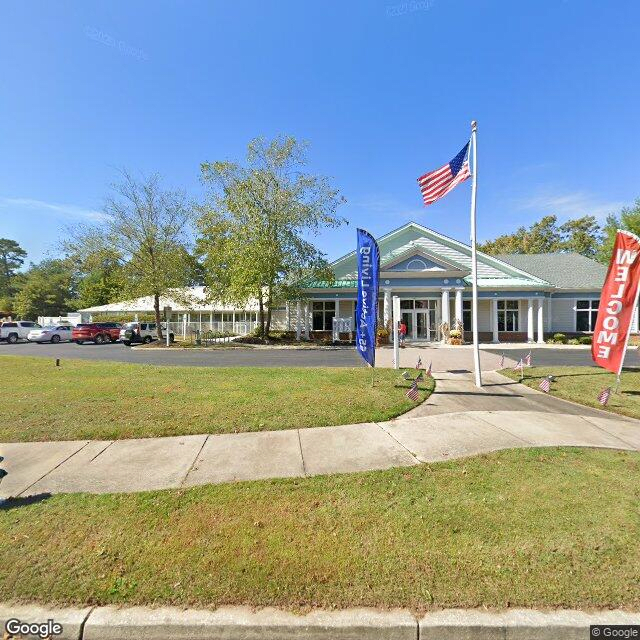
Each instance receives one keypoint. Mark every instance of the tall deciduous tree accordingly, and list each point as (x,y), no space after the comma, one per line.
(147,230)
(628,219)
(582,235)
(254,228)
(45,291)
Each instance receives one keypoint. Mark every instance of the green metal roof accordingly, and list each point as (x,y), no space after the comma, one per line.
(562,270)
(337,284)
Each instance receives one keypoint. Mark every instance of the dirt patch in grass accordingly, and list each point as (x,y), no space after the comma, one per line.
(520,528)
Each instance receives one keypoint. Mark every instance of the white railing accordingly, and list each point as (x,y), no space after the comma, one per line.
(183,330)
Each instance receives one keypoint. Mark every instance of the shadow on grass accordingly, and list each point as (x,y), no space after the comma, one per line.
(15,503)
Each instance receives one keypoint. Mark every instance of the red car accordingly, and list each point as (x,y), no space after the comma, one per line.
(98,332)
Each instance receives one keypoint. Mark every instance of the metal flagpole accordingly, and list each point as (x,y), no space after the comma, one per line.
(474,261)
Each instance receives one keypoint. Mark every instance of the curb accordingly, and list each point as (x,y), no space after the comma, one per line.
(243,623)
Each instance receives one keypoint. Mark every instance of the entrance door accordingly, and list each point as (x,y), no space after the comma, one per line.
(422,325)
(407,318)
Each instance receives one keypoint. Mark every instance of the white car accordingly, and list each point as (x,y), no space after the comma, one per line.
(13,331)
(54,334)
(139,332)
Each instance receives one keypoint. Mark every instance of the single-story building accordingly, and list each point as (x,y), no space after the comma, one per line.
(521,297)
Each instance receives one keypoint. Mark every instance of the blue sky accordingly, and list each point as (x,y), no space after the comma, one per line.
(382,90)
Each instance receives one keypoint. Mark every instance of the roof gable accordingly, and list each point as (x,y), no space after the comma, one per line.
(414,238)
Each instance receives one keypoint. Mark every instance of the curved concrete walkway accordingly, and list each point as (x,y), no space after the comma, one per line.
(458,420)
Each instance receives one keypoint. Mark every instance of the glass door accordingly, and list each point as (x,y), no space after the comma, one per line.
(407,318)
(422,325)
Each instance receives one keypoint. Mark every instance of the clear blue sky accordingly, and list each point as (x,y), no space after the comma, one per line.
(382,90)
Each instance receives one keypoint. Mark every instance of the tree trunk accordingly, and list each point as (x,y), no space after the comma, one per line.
(156,308)
(268,324)
(261,307)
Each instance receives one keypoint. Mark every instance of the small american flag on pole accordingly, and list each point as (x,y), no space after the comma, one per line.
(436,184)
(420,377)
(603,396)
(413,393)
(545,385)
(519,365)
(419,363)
(527,359)
(502,361)
(429,374)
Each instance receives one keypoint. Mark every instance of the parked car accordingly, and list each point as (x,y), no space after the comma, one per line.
(54,334)
(18,330)
(98,332)
(144,332)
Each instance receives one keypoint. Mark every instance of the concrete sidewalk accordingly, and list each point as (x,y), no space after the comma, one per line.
(458,420)
(244,623)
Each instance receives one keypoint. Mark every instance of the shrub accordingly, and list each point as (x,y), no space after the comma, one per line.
(585,340)
(573,341)
(455,333)
(560,338)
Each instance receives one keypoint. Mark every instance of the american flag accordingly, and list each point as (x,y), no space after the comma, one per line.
(527,359)
(502,361)
(436,184)
(419,363)
(603,396)
(413,393)
(429,374)
(545,385)
(405,375)
(419,377)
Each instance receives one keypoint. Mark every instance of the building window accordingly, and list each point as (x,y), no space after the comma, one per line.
(586,313)
(466,315)
(508,312)
(323,314)
(406,304)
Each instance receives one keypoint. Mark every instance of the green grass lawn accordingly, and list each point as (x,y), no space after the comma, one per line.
(583,384)
(531,528)
(108,400)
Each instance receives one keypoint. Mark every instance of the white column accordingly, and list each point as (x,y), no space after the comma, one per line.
(540,320)
(288,317)
(494,320)
(298,321)
(306,321)
(459,305)
(387,307)
(530,332)
(445,315)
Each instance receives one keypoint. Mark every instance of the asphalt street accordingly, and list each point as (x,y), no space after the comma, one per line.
(239,357)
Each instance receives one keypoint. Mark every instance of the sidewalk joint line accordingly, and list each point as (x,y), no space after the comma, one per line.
(84,622)
(304,466)
(54,468)
(101,452)
(509,433)
(415,458)
(192,465)
(613,435)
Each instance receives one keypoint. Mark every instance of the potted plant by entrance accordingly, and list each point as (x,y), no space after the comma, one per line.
(382,336)
(455,336)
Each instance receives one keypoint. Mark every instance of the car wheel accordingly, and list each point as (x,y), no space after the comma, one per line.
(12,338)
(99,339)
(147,339)
(107,339)
(172,338)
(126,343)
(79,341)
(55,339)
